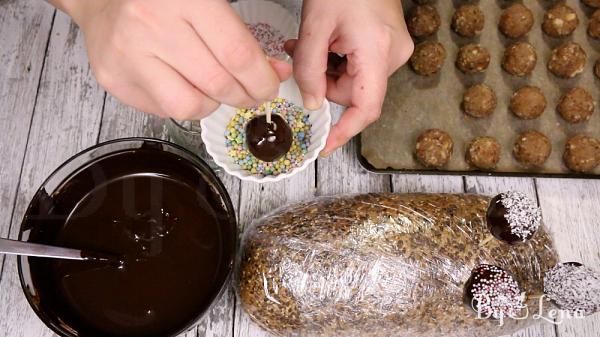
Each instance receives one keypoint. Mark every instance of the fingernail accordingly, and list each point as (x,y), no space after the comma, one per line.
(310,102)
(324,153)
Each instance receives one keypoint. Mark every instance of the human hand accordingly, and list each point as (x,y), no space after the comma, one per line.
(373,36)
(178,58)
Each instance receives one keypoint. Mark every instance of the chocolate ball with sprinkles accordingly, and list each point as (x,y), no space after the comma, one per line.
(493,293)
(573,287)
(512,217)
(268,141)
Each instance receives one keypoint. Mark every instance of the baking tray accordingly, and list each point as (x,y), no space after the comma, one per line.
(413,96)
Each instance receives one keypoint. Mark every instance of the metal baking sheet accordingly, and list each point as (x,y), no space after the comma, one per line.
(415,103)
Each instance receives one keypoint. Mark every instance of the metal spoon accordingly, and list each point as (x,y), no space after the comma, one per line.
(14,247)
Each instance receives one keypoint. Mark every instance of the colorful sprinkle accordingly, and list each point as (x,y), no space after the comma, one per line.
(237,149)
(492,292)
(269,37)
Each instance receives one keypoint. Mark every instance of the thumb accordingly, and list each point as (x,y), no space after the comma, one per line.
(282,68)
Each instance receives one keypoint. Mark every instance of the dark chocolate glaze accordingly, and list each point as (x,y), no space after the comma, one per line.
(268,142)
(499,226)
(168,227)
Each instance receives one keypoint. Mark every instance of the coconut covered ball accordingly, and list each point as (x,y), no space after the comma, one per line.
(573,287)
(513,217)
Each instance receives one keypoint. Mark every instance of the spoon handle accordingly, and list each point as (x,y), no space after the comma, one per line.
(33,249)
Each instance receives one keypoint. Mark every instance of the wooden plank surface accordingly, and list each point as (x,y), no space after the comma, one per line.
(66,120)
(21,61)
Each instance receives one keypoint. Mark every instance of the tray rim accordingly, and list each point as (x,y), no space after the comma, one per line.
(364,163)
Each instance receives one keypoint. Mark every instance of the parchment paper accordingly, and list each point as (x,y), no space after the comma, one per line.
(415,103)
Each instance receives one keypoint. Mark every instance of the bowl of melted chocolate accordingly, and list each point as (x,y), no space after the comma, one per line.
(160,209)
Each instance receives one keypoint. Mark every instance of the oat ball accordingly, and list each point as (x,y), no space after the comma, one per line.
(516,21)
(560,20)
(532,149)
(519,59)
(479,101)
(582,153)
(528,102)
(428,58)
(434,148)
(594,25)
(576,105)
(567,60)
(597,68)
(484,153)
(592,3)
(472,58)
(423,20)
(468,21)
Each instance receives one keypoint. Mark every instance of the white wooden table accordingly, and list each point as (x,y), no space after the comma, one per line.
(51,108)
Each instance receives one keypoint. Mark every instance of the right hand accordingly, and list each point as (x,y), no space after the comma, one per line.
(177,58)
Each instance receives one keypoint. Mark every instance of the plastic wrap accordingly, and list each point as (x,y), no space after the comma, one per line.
(382,265)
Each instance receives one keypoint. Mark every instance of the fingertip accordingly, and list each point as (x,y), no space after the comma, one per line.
(311,102)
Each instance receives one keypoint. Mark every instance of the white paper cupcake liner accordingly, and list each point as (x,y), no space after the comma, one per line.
(254,12)
(214,126)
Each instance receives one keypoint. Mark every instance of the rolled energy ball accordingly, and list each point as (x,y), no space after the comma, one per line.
(592,3)
(594,25)
(576,105)
(472,58)
(528,102)
(428,58)
(567,60)
(493,293)
(532,149)
(468,21)
(516,21)
(479,101)
(573,287)
(582,153)
(597,68)
(423,20)
(519,59)
(512,217)
(434,148)
(560,20)
(484,153)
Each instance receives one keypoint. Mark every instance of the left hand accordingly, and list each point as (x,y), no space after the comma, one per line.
(373,36)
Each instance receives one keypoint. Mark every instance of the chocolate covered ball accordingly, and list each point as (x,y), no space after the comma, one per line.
(528,102)
(512,217)
(532,149)
(493,293)
(268,141)
(516,21)
(560,20)
(479,101)
(484,153)
(573,287)
(468,21)
(519,59)
(594,25)
(582,153)
(576,105)
(568,60)
(472,58)
(428,58)
(423,20)
(434,148)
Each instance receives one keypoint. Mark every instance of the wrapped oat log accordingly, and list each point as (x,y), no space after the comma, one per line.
(398,265)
